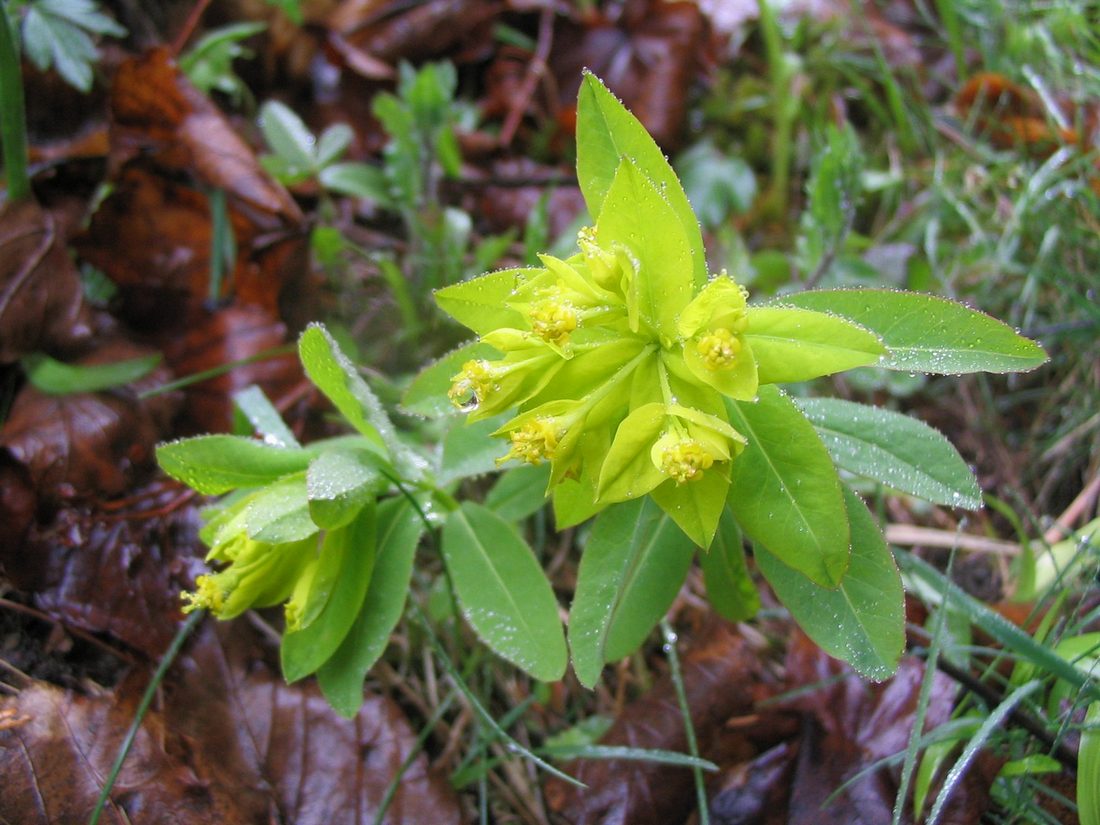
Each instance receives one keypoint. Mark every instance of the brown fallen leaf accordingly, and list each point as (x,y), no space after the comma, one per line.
(649,58)
(221,338)
(720,671)
(231,743)
(88,443)
(117,570)
(41,299)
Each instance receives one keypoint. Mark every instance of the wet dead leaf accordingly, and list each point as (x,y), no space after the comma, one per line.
(88,443)
(720,671)
(231,743)
(41,300)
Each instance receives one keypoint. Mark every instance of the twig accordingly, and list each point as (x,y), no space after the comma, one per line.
(909,535)
(189,26)
(535,70)
(76,631)
(1062,526)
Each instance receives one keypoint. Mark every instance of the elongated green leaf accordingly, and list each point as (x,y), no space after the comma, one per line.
(784,490)
(895,449)
(726,575)
(503,592)
(341,677)
(333,374)
(479,302)
(303,651)
(640,217)
(56,378)
(357,180)
(338,484)
(216,464)
(263,417)
(609,134)
(863,620)
(1088,769)
(631,570)
(996,625)
(924,333)
(792,344)
(520,492)
(427,394)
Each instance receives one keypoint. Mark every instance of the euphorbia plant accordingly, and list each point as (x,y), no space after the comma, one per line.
(646,388)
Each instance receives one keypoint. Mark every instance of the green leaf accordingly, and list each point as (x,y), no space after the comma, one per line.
(338,484)
(216,464)
(639,216)
(628,470)
(332,143)
(632,567)
(695,506)
(427,394)
(341,677)
(796,345)
(895,449)
(357,180)
(470,450)
(730,588)
(334,375)
(479,303)
(923,333)
(608,134)
(718,185)
(279,513)
(863,620)
(263,417)
(56,378)
(784,489)
(520,492)
(503,592)
(1088,768)
(288,136)
(305,650)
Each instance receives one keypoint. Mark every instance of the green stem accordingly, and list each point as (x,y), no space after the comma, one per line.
(13,121)
(143,707)
(784,110)
(669,636)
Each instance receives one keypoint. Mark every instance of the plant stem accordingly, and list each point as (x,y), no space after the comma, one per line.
(13,122)
(146,700)
(669,637)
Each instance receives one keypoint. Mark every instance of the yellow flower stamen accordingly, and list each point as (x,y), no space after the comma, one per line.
(207,596)
(552,320)
(719,349)
(472,384)
(685,460)
(534,441)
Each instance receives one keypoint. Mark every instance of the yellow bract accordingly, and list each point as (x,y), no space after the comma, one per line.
(534,441)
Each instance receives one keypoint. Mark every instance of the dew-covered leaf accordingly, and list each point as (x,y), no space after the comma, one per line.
(924,333)
(730,589)
(216,464)
(862,621)
(632,567)
(503,592)
(895,449)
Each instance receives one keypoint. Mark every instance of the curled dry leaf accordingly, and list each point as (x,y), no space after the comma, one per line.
(41,300)
(720,671)
(88,443)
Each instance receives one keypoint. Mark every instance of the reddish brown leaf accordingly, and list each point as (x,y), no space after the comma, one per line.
(649,60)
(118,571)
(720,671)
(88,443)
(41,301)
(231,743)
(52,766)
(226,337)
(755,792)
